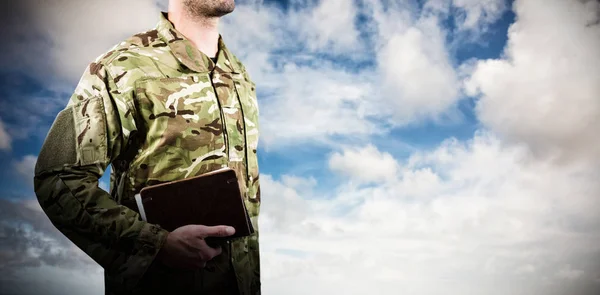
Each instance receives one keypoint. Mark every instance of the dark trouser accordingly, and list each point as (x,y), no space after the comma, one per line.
(208,281)
(217,278)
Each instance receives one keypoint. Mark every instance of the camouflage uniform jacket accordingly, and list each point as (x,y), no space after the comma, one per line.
(158,110)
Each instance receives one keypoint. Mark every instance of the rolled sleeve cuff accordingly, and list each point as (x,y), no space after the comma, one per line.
(149,241)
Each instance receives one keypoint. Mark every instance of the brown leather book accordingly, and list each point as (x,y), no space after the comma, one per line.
(209,199)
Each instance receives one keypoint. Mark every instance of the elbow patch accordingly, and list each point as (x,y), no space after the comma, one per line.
(77,137)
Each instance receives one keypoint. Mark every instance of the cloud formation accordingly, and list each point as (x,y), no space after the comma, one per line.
(324,31)
(416,73)
(5,139)
(459,217)
(25,167)
(30,237)
(476,15)
(545,91)
(295,73)
(352,74)
(32,249)
(60,38)
(365,164)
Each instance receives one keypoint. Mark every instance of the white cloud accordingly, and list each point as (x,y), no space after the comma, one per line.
(415,73)
(525,269)
(285,205)
(251,32)
(306,95)
(33,204)
(331,32)
(327,100)
(314,104)
(570,274)
(472,18)
(25,167)
(438,7)
(42,34)
(366,164)
(545,91)
(418,78)
(36,256)
(298,183)
(105,185)
(477,14)
(54,280)
(485,212)
(5,139)
(49,44)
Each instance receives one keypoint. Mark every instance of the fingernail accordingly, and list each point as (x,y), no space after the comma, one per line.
(230,230)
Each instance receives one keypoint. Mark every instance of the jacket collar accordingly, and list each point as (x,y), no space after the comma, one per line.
(188,55)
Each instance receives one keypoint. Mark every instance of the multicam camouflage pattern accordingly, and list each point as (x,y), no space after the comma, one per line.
(158,110)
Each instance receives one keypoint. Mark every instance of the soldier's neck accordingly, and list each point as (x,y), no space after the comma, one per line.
(202,32)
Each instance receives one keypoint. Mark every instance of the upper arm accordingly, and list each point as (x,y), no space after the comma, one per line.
(88,131)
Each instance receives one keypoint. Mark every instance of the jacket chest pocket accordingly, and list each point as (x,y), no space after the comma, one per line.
(183,128)
(247,93)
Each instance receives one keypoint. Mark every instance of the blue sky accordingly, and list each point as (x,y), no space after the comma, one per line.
(440,146)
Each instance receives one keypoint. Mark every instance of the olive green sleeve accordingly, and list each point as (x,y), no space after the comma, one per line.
(83,140)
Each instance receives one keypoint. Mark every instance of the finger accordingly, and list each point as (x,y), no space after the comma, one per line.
(215,252)
(218,231)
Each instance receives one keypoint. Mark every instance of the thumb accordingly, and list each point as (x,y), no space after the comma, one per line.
(218,231)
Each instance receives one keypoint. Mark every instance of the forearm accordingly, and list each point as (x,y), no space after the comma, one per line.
(112,235)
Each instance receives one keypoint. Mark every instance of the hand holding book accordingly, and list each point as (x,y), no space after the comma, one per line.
(186,247)
(197,212)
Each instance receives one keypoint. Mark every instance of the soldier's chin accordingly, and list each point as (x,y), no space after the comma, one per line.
(224,8)
(222,12)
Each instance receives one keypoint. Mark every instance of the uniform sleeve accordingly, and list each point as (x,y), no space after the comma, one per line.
(83,140)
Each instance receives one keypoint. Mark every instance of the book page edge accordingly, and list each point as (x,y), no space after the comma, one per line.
(138,200)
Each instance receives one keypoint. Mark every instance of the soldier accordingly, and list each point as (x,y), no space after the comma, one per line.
(163,105)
